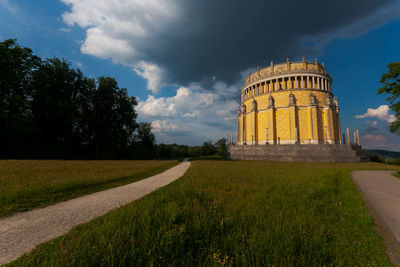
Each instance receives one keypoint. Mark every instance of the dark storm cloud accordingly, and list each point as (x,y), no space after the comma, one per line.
(223,38)
(186,41)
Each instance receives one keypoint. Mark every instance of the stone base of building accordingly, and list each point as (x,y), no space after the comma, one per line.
(317,153)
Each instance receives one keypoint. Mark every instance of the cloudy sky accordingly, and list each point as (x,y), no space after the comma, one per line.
(185,60)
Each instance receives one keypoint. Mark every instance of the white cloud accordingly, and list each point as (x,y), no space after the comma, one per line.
(376,141)
(10,7)
(193,113)
(101,45)
(372,124)
(188,102)
(65,29)
(115,29)
(381,113)
(152,73)
(160,126)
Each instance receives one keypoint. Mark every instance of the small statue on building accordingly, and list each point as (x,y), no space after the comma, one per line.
(292,99)
(271,101)
(313,102)
(254,105)
(328,100)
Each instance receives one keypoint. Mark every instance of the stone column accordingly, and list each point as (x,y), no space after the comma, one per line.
(292,119)
(255,122)
(329,120)
(358,138)
(283,84)
(271,120)
(319,82)
(302,82)
(308,82)
(312,82)
(238,129)
(348,136)
(313,120)
(244,124)
(238,126)
(295,83)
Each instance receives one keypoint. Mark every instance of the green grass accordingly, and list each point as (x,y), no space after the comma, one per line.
(27,184)
(240,213)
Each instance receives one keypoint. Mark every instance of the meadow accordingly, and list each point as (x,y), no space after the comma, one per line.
(226,213)
(27,184)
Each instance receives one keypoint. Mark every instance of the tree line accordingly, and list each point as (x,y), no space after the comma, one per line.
(50,110)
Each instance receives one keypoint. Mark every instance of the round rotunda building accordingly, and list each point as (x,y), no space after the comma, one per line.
(288,103)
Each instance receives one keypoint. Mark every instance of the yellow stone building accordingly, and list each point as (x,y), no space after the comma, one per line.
(288,103)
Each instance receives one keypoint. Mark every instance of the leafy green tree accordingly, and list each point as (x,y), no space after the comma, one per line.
(144,146)
(114,121)
(16,66)
(50,110)
(208,148)
(59,94)
(145,136)
(221,146)
(391,86)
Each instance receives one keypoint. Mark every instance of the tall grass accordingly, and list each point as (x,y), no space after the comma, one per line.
(26,184)
(230,213)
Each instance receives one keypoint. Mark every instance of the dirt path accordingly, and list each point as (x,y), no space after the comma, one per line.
(21,232)
(382,191)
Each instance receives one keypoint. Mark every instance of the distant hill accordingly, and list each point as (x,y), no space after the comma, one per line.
(382,153)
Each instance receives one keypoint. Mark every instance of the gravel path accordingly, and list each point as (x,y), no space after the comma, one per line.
(21,232)
(382,191)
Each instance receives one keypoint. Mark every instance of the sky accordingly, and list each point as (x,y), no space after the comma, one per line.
(185,60)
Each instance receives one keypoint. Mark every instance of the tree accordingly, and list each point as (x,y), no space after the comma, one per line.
(59,94)
(50,110)
(16,66)
(391,86)
(78,117)
(221,146)
(208,148)
(144,146)
(114,119)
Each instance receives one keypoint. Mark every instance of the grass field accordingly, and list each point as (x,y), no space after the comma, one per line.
(26,184)
(232,213)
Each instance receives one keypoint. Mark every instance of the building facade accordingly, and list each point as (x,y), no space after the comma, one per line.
(288,103)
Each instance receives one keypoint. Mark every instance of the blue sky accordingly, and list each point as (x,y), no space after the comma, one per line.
(185,60)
